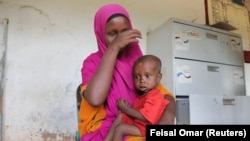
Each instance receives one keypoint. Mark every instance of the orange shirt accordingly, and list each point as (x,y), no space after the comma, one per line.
(90,118)
(151,106)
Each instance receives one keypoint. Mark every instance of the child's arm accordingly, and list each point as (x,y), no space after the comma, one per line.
(124,107)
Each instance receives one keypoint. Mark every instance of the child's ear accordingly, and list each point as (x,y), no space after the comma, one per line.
(159,77)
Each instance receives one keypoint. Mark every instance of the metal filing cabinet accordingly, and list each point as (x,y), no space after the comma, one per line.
(202,66)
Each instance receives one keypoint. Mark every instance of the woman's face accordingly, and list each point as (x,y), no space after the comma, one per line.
(114,27)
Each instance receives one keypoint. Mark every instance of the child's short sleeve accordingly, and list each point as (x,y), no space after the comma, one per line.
(154,106)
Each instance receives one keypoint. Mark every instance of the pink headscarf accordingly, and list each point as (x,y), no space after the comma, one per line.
(122,83)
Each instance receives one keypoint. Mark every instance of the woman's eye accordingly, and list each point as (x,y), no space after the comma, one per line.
(112,33)
(125,30)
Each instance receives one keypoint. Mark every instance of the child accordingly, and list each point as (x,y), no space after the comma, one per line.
(148,106)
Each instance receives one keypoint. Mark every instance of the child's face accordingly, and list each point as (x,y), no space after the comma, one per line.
(146,76)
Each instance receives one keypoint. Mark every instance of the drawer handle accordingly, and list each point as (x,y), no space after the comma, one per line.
(213,68)
(227,101)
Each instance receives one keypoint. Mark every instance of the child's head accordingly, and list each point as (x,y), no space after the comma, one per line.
(147,73)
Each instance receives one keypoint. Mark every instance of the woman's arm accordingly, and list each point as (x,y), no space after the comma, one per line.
(168,117)
(98,87)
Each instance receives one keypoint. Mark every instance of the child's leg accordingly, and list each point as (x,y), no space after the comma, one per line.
(124,129)
(110,134)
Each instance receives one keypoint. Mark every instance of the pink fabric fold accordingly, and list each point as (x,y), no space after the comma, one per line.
(122,83)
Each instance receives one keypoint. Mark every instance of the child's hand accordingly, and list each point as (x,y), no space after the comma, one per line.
(123,105)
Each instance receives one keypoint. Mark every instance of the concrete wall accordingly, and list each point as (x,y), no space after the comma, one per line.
(46,43)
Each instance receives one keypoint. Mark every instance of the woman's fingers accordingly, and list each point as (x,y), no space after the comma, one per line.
(125,38)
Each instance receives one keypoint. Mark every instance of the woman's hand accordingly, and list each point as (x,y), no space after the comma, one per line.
(123,39)
(169,114)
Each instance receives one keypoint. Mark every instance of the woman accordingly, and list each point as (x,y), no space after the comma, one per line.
(107,73)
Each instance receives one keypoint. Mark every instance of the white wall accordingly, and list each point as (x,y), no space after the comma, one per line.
(44,55)
(47,41)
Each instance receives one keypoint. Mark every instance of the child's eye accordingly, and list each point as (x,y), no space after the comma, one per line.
(137,77)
